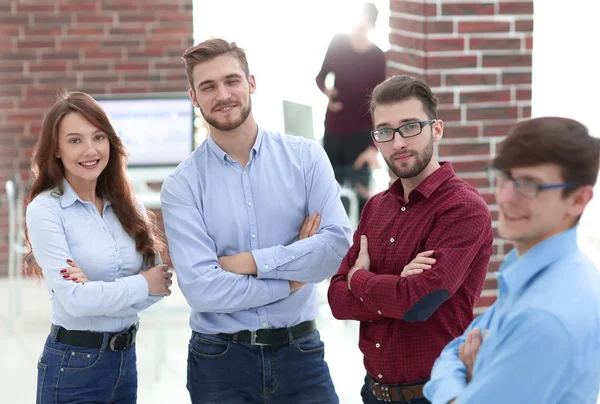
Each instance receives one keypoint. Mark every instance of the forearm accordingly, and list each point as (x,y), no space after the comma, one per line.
(100,298)
(138,307)
(218,291)
(344,305)
(448,377)
(310,260)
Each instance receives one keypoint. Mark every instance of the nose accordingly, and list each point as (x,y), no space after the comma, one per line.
(398,142)
(90,148)
(223,92)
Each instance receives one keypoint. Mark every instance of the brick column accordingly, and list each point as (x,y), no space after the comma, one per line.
(476,55)
(97,46)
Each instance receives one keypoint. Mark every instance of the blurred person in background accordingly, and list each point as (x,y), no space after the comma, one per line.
(254,221)
(420,253)
(539,342)
(358,66)
(99,252)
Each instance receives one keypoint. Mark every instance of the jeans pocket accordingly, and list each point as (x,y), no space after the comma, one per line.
(42,368)
(79,359)
(310,343)
(208,346)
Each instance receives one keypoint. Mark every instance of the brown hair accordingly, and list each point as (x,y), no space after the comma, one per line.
(561,141)
(210,49)
(113,184)
(402,87)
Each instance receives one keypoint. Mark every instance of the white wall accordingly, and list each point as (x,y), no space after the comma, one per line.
(285,42)
(566,77)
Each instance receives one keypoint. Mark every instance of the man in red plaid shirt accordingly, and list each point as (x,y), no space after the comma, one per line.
(420,253)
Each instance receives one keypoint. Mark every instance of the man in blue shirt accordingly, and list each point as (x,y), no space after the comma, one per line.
(254,220)
(539,343)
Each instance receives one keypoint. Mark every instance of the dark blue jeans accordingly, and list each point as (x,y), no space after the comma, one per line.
(369,398)
(233,372)
(71,374)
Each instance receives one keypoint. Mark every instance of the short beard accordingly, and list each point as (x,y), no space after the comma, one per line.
(228,125)
(423,160)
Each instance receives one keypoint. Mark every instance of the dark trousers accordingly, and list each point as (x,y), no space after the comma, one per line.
(233,372)
(342,151)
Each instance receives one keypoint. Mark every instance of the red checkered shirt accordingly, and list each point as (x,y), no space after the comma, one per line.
(406,322)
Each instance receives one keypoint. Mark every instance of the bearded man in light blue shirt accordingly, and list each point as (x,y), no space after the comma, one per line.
(254,220)
(540,341)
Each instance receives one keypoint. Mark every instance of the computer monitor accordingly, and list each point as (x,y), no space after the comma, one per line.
(157,129)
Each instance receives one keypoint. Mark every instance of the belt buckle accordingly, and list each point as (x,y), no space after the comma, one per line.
(253,339)
(112,345)
(384,393)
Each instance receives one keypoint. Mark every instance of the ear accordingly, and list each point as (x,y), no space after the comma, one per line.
(193,98)
(57,155)
(438,130)
(252,82)
(580,199)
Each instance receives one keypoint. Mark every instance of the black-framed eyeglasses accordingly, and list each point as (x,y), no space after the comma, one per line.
(524,187)
(407,130)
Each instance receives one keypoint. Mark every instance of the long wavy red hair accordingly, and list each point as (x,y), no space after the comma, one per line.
(113,184)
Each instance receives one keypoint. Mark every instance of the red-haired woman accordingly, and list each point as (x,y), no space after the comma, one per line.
(100,254)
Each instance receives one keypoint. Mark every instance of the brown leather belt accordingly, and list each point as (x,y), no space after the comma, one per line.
(401,393)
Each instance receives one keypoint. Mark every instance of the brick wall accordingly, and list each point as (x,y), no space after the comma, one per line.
(97,46)
(476,55)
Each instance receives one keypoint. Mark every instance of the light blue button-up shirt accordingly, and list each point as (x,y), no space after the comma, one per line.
(62,227)
(543,342)
(213,207)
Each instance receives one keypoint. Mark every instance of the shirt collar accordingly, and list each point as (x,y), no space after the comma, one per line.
(223,157)
(517,271)
(428,186)
(69,196)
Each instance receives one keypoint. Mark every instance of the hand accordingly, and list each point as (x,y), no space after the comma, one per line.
(310,226)
(467,351)
(331,93)
(74,273)
(159,280)
(241,264)
(369,156)
(335,106)
(362,261)
(295,285)
(419,264)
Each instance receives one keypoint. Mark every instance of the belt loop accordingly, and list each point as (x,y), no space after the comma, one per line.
(54,333)
(235,337)
(105,341)
(290,335)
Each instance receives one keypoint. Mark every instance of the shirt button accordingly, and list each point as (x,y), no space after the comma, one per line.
(377,345)
(265,324)
(380,376)
(249,203)
(266,267)
(403,209)
(243,172)
(254,236)
(378,312)
(392,240)
(293,257)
